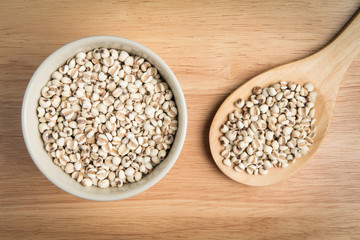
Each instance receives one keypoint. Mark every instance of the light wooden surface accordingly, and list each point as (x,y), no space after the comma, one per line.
(213,47)
(325,70)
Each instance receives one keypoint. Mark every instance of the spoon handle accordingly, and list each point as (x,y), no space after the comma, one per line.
(335,59)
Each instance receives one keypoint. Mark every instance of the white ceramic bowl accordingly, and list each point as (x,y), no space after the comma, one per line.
(33,141)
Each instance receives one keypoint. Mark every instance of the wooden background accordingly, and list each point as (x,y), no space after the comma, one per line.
(212,47)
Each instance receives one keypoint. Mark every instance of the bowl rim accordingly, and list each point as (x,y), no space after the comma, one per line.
(181,103)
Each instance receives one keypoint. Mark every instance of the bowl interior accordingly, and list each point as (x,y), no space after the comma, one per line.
(33,139)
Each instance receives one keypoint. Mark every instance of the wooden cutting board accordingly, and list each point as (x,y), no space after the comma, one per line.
(212,47)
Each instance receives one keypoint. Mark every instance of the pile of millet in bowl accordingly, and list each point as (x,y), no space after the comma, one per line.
(107,118)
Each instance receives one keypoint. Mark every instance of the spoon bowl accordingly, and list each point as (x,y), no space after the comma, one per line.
(324,69)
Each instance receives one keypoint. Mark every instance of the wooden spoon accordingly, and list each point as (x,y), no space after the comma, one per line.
(324,69)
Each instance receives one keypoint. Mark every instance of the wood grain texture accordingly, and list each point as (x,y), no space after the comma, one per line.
(212,47)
